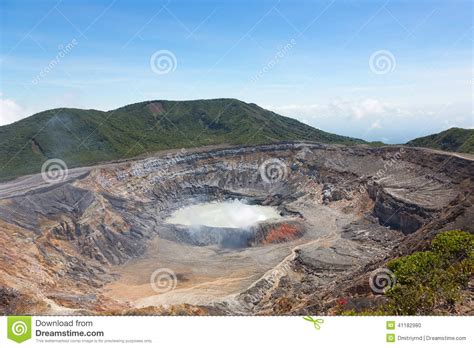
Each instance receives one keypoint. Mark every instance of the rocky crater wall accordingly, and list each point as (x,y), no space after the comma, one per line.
(107,215)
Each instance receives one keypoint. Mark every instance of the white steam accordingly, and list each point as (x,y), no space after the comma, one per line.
(231,214)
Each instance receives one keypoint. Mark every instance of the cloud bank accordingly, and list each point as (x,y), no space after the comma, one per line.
(372,119)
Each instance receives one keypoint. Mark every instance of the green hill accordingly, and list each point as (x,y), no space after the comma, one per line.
(453,139)
(87,137)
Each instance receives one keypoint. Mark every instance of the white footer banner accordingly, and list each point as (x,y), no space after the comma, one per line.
(103,331)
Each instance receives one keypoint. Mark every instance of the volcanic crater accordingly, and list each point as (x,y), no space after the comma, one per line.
(95,242)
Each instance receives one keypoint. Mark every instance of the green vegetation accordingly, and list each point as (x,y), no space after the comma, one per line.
(87,137)
(453,139)
(428,282)
(432,279)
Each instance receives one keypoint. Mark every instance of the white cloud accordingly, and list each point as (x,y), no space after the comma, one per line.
(374,119)
(355,110)
(368,107)
(375,125)
(10,111)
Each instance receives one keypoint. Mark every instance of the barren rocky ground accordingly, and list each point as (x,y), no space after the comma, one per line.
(92,243)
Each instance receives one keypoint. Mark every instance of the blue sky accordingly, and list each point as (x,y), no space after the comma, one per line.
(321,62)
